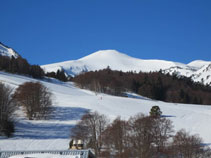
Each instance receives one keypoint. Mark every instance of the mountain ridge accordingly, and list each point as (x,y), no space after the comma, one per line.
(122,62)
(7,51)
(116,61)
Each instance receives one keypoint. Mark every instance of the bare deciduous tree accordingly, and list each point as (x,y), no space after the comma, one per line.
(96,87)
(90,130)
(116,138)
(7,107)
(162,130)
(35,98)
(142,136)
(186,145)
(149,134)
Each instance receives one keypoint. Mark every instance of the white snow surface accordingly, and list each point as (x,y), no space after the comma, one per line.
(70,103)
(199,63)
(119,61)
(5,51)
(112,58)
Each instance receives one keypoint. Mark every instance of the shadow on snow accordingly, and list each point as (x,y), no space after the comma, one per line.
(57,127)
(168,116)
(67,113)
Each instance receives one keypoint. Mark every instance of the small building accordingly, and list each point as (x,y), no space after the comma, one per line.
(76,144)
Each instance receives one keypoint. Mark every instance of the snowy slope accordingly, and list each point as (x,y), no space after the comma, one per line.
(70,103)
(119,61)
(199,63)
(203,75)
(199,71)
(6,51)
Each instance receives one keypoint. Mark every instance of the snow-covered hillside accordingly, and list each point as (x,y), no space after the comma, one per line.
(6,51)
(201,72)
(114,59)
(197,70)
(70,103)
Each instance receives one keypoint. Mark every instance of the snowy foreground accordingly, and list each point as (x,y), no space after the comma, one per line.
(70,103)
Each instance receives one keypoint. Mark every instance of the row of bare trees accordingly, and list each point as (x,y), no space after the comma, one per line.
(155,85)
(141,137)
(35,99)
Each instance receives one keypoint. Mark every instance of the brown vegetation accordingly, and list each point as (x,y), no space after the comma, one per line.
(141,136)
(7,107)
(155,85)
(60,75)
(187,145)
(90,130)
(35,98)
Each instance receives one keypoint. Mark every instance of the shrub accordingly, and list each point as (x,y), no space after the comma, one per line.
(35,98)
(155,111)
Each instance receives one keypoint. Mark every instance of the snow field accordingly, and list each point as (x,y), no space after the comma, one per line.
(70,103)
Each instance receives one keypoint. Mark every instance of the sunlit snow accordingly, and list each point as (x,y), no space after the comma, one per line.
(119,61)
(70,103)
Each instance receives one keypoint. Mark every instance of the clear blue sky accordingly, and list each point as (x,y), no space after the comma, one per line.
(48,31)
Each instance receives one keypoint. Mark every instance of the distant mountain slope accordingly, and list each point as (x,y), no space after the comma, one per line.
(114,59)
(6,51)
(198,63)
(198,70)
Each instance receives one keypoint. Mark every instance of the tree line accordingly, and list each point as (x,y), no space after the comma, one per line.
(33,97)
(60,75)
(154,85)
(21,66)
(140,136)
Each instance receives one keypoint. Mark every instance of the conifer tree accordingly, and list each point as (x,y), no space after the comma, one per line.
(155,111)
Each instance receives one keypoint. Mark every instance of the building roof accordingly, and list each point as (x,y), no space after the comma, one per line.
(82,153)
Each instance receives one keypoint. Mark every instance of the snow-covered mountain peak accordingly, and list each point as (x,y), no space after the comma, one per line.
(105,54)
(120,61)
(108,58)
(112,58)
(6,51)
